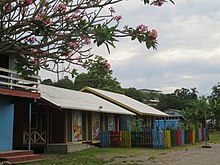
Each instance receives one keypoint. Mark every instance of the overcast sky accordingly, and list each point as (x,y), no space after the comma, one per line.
(188,52)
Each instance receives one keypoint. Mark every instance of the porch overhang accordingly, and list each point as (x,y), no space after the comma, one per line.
(15,93)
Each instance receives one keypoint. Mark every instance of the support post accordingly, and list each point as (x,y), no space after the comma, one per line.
(29,132)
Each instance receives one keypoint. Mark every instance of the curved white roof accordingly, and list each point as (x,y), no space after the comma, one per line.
(127,102)
(76,100)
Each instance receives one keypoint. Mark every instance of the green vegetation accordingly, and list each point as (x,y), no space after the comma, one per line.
(214,137)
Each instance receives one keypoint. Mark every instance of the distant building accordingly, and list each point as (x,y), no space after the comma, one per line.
(154,101)
(174,121)
(150,90)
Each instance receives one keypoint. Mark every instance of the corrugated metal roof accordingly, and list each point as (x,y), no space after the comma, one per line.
(127,102)
(70,99)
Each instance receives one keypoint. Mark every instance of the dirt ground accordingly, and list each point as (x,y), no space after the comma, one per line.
(186,156)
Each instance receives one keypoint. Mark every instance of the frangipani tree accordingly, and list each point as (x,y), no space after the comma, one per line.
(45,33)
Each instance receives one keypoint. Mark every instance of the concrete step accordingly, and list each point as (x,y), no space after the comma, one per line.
(15,153)
(15,157)
(22,158)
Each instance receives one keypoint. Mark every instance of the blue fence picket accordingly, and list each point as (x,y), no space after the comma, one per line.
(183,136)
(197,135)
(105,139)
(207,133)
(158,138)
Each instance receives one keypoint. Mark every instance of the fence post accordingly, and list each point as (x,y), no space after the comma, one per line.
(193,136)
(104,139)
(168,139)
(183,136)
(178,137)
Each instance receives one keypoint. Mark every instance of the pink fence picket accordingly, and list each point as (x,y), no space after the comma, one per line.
(178,137)
(190,136)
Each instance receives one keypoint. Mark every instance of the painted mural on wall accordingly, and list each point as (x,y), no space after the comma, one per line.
(111,122)
(95,126)
(77,126)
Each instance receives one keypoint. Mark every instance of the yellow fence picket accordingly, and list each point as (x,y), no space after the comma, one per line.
(167,139)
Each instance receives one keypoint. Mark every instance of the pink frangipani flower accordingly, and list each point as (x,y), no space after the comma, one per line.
(31,39)
(118,18)
(25,2)
(74,45)
(86,41)
(60,7)
(153,34)
(142,28)
(107,65)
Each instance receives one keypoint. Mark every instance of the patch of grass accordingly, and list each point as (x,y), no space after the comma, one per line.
(214,137)
(152,158)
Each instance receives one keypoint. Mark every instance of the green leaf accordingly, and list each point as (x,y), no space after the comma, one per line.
(148,44)
(45,39)
(107,48)
(74,73)
(133,38)
(37,32)
(140,39)
(172,2)
(146,1)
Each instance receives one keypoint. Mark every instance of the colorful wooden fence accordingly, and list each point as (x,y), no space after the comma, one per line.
(141,138)
(115,139)
(156,138)
(125,138)
(105,139)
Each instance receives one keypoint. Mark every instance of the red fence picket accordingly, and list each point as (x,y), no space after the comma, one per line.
(190,136)
(115,139)
(178,137)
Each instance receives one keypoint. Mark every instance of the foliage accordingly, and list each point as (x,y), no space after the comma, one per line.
(140,95)
(137,124)
(65,83)
(214,137)
(134,93)
(186,94)
(196,111)
(169,101)
(177,100)
(99,76)
(46,33)
(47,82)
(214,102)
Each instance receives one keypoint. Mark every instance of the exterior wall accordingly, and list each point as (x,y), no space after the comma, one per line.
(125,122)
(6,124)
(82,126)
(58,126)
(170,124)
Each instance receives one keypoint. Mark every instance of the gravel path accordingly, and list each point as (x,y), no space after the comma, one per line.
(192,156)
(186,156)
